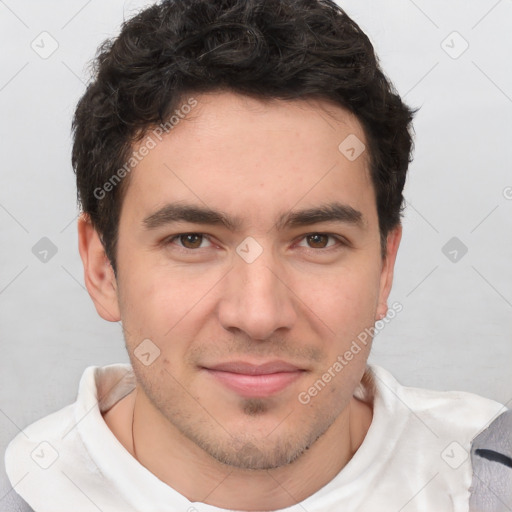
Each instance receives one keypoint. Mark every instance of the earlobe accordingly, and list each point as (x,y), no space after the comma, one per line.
(388,265)
(98,273)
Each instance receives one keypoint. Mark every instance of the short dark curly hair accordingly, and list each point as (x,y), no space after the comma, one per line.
(283,49)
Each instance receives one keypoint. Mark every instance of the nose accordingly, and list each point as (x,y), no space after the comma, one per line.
(256,298)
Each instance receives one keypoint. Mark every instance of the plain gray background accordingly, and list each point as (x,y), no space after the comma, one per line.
(455,330)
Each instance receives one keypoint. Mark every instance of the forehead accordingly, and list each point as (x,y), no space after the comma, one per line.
(233,151)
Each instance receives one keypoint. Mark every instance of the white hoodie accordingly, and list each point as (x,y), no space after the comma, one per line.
(415,456)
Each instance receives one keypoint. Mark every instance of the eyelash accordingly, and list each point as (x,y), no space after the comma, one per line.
(340,240)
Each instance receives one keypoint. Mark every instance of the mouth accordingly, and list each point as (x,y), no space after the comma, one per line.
(255,381)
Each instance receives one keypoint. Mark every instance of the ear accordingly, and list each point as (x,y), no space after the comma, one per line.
(388,266)
(98,272)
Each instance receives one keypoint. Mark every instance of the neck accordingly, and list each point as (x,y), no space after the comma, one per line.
(181,464)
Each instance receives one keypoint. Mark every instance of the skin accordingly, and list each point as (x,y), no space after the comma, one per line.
(302,300)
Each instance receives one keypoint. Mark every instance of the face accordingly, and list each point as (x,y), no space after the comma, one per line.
(249,255)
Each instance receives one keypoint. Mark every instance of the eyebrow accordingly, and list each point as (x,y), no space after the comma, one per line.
(179,212)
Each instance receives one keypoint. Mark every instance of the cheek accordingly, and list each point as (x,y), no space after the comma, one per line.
(152,310)
(344,299)
(167,306)
(148,289)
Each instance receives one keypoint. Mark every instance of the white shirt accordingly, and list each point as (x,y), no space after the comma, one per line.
(415,456)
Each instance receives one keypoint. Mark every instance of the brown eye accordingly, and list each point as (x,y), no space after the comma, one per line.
(318,240)
(322,243)
(189,245)
(190,240)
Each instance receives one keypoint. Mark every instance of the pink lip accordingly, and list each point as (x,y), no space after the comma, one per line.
(255,380)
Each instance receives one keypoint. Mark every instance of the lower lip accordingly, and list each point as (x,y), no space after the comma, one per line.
(252,386)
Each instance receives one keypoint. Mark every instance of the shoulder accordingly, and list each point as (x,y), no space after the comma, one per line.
(35,449)
(419,439)
(42,456)
(452,409)
(40,439)
(428,424)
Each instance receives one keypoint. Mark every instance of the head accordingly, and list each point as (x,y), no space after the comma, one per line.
(240,168)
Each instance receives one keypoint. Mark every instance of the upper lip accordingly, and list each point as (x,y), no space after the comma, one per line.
(245,368)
